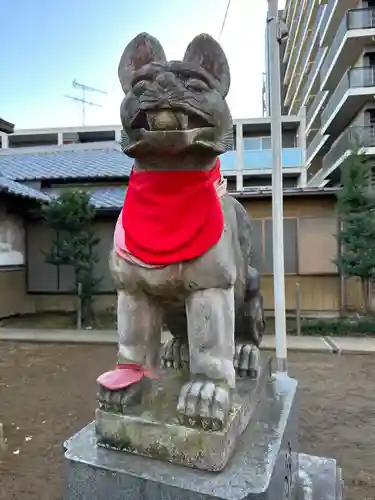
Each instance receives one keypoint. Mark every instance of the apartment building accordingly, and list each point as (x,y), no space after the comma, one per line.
(5,128)
(248,166)
(328,74)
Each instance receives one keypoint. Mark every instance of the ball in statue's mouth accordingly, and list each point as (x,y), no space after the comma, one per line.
(168,120)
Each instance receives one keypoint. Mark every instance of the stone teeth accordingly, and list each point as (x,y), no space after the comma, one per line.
(183,120)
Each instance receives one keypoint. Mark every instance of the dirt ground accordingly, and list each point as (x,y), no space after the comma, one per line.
(47,393)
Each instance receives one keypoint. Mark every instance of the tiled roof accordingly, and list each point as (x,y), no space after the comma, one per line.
(94,163)
(113,198)
(108,198)
(17,189)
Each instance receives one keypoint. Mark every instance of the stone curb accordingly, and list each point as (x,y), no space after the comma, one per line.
(305,344)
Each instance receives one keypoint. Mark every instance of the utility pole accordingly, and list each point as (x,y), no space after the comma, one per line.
(82,99)
(274,38)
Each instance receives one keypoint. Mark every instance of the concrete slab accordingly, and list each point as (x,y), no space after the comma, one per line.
(59,336)
(63,336)
(310,344)
(342,345)
(354,345)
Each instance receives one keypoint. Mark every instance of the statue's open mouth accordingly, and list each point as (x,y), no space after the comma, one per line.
(175,131)
(168,121)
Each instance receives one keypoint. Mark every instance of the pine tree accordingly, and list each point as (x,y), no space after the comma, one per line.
(356,209)
(74,244)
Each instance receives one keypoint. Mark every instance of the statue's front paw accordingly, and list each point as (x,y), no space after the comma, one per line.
(204,404)
(247,360)
(119,400)
(174,354)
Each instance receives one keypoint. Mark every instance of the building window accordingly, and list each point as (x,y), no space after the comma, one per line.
(266,142)
(263,248)
(289,140)
(252,143)
(310,245)
(317,245)
(257,143)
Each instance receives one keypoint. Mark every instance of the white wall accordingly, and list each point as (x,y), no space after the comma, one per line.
(12,239)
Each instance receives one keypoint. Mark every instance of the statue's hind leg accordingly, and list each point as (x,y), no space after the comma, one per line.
(250,326)
(175,351)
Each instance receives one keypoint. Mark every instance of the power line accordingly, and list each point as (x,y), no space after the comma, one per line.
(82,99)
(225,19)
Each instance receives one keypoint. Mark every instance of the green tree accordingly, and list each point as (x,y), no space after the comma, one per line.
(356,209)
(70,216)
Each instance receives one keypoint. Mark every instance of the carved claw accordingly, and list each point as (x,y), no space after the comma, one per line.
(246,360)
(174,354)
(254,314)
(117,401)
(204,404)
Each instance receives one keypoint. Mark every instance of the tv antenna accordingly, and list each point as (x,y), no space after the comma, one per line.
(82,99)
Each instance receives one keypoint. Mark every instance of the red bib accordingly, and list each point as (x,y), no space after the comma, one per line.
(172,216)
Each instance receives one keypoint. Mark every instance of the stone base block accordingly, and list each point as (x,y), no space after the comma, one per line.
(319,478)
(264,465)
(152,428)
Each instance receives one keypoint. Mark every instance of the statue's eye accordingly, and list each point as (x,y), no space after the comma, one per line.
(197,85)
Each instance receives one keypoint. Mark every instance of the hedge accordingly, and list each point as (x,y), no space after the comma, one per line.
(361,326)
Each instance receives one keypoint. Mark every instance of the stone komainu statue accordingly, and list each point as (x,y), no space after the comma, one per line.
(182,245)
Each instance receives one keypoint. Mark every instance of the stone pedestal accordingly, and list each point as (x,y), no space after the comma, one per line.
(152,428)
(266,465)
(263,465)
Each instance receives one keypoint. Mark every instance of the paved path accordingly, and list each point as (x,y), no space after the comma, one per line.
(337,345)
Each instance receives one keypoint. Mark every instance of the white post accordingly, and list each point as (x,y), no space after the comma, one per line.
(239,157)
(277,184)
(302,144)
(4,140)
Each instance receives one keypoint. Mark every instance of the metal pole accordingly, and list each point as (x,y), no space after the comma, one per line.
(277,184)
(79,309)
(298,309)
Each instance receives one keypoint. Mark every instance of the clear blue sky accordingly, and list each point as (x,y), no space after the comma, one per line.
(48,43)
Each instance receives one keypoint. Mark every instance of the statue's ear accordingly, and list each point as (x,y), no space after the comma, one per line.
(142,50)
(207,53)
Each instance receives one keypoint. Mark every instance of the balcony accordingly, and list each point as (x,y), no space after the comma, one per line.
(357,29)
(291,23)
(332,19)
(258,162)
(314,108)
(311,53)
(294,61)
(351,139)
(288,10)
(351,94)
(315,147)
(295,29)
(311,86)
